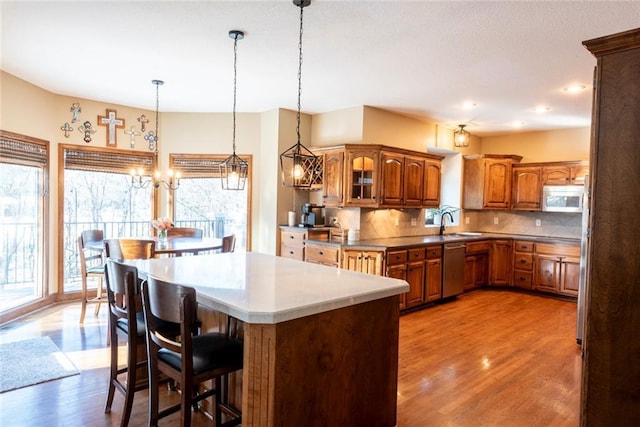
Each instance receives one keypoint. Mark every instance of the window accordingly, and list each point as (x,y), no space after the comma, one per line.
(23,202)
(97,194)
(201,202)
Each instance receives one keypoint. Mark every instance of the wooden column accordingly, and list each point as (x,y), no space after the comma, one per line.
(338,368)
(611,366)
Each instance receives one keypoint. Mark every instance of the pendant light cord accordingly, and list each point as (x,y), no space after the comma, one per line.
(235,72)
(299,73)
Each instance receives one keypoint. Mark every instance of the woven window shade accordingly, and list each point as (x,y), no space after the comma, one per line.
(199,165)
(18,149)
(107,161)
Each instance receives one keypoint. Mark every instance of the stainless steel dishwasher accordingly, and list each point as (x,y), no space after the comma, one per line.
(453,269)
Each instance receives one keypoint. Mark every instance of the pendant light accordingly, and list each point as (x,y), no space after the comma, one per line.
(461,137)
(233,169)
(173,180)
(298,163)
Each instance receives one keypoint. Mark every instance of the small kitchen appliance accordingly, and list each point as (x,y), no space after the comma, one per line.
(311,216)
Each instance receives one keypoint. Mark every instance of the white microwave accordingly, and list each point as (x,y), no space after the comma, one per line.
(562,198)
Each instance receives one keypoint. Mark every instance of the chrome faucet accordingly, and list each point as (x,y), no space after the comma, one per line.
(442,222)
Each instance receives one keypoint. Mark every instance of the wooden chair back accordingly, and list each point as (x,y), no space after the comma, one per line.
(90,243)
(185,232)
(124,249)
(229,243)
(122,291)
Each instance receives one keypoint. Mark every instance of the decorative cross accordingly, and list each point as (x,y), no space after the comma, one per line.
(111,122)
(151,139)
(75,109)
(143,121)
(88,130)
(132,133)
(66,129)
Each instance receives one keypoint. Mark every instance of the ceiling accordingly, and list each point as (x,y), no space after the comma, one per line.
(418,58)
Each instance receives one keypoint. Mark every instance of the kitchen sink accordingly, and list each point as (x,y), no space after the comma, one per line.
(462,234)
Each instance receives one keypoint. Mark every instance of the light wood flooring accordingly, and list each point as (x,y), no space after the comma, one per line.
(489,358)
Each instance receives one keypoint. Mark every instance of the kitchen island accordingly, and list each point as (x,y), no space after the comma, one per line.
(320,344)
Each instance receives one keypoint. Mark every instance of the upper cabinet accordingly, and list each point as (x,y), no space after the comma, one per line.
(564,173)
(374,176)
(487,181)
(526,188)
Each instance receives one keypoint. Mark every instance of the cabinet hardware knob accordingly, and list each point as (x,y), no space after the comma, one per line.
(522,279)
(523,261)
(290,252)
(321,253)
(291,237)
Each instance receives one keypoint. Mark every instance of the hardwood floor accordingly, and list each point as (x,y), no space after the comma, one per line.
(490,358)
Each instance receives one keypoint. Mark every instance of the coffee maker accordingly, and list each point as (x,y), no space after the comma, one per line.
(311,215)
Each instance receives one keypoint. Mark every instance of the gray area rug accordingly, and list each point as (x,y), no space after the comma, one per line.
(32,361)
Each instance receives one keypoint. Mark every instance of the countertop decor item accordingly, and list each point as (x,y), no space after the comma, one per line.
(233,169)
(162,225)
(298,163)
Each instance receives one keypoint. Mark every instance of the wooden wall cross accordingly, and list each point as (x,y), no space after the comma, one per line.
(112,123)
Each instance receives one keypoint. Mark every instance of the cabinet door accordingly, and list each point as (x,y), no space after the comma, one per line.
(373,263)
(415,278)
(481,270)
(399,272)
(545,273)
(362,178)
(527,190)
(497,184)
(556,175)
(578,173)
(413,181)
(433,279)
(569,276)
(332,178)
(432,176)
(500,262)
(469,272)
(392,166)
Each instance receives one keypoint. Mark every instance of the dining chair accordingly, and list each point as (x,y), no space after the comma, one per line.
(90,243)
(229,243)
(123,249)
(126,321)
(192,360)
(185,232)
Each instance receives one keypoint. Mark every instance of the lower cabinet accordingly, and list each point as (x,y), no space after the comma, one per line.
(422,268)
(322,254)
(433,276)
(500,262)
(556,268)
(371,262)
(522,264)
(476,264)
(415,277)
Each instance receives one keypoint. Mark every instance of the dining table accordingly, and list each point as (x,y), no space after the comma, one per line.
(178,246)
(320,343)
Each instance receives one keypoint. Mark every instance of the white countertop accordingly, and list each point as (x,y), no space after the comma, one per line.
(259,288)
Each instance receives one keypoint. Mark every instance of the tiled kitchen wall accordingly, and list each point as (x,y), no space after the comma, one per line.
(552,224)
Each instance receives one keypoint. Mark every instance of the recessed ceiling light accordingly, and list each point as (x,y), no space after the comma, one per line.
(517,124)
(574,88)
(541,109)
(468,105)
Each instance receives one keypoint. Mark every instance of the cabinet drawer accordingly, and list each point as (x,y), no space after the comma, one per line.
(322,254)
(415,254)
(522,246)
(523,261)
(292,238)
(522,279)
(294,252)
(558,250)
(434,251)
(472,247)
(396,257)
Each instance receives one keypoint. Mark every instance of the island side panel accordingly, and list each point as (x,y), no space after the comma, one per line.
(333,368)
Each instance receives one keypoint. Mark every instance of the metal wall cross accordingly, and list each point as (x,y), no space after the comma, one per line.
(132,133)
(112,123)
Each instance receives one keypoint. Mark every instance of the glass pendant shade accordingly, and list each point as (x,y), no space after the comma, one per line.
(461,137)
(233,173)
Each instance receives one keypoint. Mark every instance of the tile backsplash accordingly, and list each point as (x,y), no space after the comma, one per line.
(552,224)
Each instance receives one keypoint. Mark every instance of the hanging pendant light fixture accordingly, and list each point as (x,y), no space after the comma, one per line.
(173,180)
(461,137)
(233,169)
(298,163)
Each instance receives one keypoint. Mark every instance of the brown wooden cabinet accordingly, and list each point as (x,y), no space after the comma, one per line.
(500,262)
(421,267)
(322,254)
(369,261)
(565,173)
(332,178)
(392,173)
(292,240)
(487,181)
(556,268)
(361,172)
(413,181)
(526,188)
(476,264)
(433,273)
(431,186)
(522,264)
(415,277)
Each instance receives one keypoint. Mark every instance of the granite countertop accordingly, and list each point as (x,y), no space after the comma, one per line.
(408,241)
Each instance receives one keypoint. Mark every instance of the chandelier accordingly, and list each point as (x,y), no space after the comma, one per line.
(461,137)
(298,163)
(138,176)
(233,169)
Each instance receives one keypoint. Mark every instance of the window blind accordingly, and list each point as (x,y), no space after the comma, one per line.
(88,159)
(23,150)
